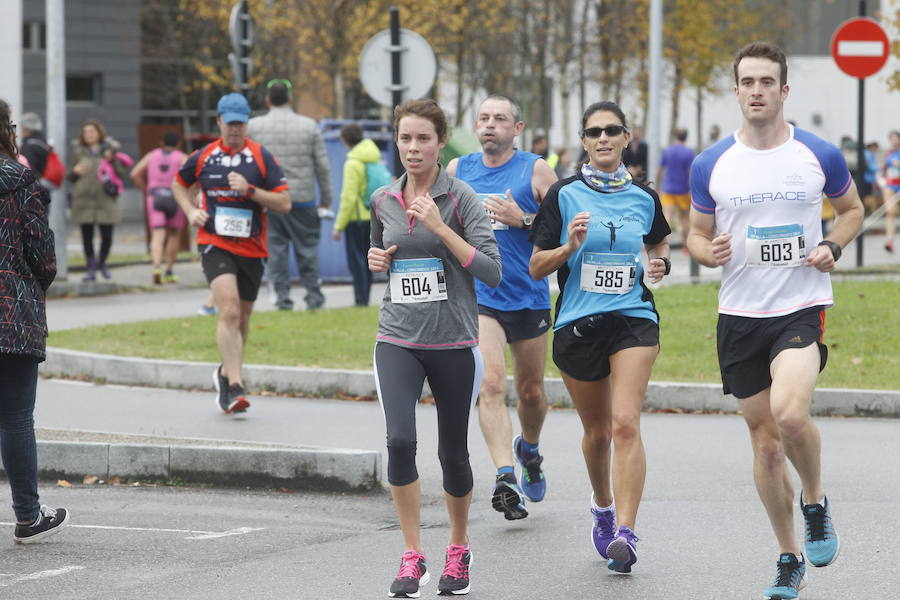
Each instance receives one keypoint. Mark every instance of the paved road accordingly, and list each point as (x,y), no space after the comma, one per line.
(704,534)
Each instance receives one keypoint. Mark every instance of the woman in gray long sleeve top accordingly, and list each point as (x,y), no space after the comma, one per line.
(431,233)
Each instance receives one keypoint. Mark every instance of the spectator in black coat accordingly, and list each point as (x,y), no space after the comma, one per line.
(34,145)
(27,267)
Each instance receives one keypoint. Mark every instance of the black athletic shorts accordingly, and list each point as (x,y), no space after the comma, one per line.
(249,271)
(747,346)
(586,358)
(519,325)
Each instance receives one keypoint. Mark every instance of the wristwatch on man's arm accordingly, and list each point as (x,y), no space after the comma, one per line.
(834,247)
(527,220)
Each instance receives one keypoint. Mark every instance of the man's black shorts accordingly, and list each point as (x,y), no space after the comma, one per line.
(519,325)
(747,346)
(249,271)
(587,358)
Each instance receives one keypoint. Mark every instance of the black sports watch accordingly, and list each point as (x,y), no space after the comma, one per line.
(527,220)
(835,248)
(667,262)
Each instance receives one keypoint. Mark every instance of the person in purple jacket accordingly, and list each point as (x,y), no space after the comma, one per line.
(432,236)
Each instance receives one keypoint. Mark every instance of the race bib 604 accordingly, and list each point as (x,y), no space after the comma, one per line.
(418,280)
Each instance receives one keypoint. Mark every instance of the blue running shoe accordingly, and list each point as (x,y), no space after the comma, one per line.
(207,310)
(604,530)
(790,578)
(622,551)
(507,498)
(822,544)
(534,484)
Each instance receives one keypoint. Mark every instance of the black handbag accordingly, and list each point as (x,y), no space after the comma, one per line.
(110,187)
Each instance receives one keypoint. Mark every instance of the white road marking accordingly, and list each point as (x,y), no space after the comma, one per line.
(213,535)
(860,48)
(36,576)
(193,534)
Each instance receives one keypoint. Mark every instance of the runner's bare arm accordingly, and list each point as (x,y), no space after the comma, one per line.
(542,177)
(196,216)
(277,201)
(656,268)
(451,167)
(708,249)
(850,214)
(139,171)
(543,262)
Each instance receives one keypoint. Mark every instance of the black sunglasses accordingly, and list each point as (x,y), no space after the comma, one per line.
(610,130)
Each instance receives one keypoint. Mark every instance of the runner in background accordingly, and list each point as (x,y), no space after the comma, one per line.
(154,174)
(511,184)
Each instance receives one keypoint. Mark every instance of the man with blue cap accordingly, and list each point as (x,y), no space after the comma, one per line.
(238,180)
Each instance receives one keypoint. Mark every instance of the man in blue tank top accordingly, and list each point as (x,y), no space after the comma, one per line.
(511,184)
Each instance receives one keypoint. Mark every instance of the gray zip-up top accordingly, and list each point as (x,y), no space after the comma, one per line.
(442,324)
(297,144)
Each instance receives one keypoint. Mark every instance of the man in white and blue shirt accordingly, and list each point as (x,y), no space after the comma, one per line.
(756,205)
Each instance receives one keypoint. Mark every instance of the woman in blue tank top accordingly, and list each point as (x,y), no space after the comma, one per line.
(592,228)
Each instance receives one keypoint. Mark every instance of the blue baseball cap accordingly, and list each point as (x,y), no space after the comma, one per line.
(233,107)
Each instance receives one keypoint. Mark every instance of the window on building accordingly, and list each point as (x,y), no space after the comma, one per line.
(84,88)
(34,36)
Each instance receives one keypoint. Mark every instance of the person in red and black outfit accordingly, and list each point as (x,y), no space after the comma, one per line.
(239,180)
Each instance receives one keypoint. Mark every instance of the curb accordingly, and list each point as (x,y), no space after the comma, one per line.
(63,289)
(307,469)
(304,381)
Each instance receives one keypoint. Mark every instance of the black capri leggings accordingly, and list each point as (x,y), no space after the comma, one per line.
(455,378)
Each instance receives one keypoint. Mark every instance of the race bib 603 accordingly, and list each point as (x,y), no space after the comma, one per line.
(780,246)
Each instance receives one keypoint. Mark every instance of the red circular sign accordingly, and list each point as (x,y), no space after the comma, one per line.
(860,47)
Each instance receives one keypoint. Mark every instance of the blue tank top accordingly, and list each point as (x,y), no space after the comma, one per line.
(517,290)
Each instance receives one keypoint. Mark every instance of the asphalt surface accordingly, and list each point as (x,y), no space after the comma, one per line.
(704,533)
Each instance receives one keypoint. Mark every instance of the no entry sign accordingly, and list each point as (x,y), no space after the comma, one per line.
(860,47)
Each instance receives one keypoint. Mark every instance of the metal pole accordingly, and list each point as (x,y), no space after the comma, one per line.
(396,76)
(654,87)
(860,144)
(56,124)
(244,51)
(860,158)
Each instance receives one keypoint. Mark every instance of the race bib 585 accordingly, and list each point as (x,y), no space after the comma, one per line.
(603,273)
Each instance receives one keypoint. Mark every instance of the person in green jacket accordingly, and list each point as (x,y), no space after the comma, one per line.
(353,215)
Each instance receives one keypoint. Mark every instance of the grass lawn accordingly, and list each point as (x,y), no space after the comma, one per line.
(862,332)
